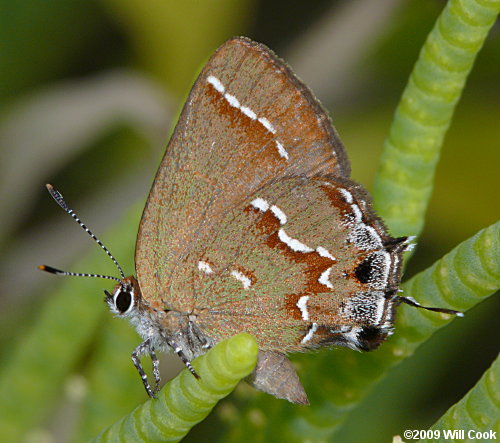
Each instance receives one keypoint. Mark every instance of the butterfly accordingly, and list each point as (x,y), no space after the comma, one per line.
(253,224)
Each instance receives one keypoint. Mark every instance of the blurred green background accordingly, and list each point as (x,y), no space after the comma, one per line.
(90,91)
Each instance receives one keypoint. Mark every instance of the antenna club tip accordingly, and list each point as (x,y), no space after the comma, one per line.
(453,312)
(49,269)
(49,186)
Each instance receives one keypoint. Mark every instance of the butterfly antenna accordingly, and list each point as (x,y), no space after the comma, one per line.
(56,195)
(412,302)
(76,274)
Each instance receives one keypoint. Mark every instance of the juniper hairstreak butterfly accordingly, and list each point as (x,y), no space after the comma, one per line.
(253,224)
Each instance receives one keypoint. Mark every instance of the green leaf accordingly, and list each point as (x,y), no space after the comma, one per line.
(479,410)
(405,178)
(461,279)
(185,401)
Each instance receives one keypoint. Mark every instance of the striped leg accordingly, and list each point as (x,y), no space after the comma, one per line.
(143,348)
(177,349)
(156,371)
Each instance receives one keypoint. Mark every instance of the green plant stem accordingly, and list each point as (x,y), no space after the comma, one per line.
(185,401)
(405,178)
(479,410)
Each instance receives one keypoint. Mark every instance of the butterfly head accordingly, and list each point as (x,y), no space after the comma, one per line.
(125,299)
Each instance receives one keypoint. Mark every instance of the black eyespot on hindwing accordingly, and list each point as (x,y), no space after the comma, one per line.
(364,271)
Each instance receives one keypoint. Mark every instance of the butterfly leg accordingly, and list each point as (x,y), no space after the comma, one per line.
(195,335)
(143,348)
(178,350)
(156,370)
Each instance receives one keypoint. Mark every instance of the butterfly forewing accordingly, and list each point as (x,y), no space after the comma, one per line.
(248,122)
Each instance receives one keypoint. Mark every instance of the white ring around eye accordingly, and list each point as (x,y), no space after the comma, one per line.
(130,291)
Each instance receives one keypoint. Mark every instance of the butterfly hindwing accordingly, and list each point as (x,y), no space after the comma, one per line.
(298,254)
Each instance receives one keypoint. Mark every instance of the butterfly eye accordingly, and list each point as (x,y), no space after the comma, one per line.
(124,301)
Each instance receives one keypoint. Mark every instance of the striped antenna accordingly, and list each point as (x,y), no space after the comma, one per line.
(76,274)
(56,195)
